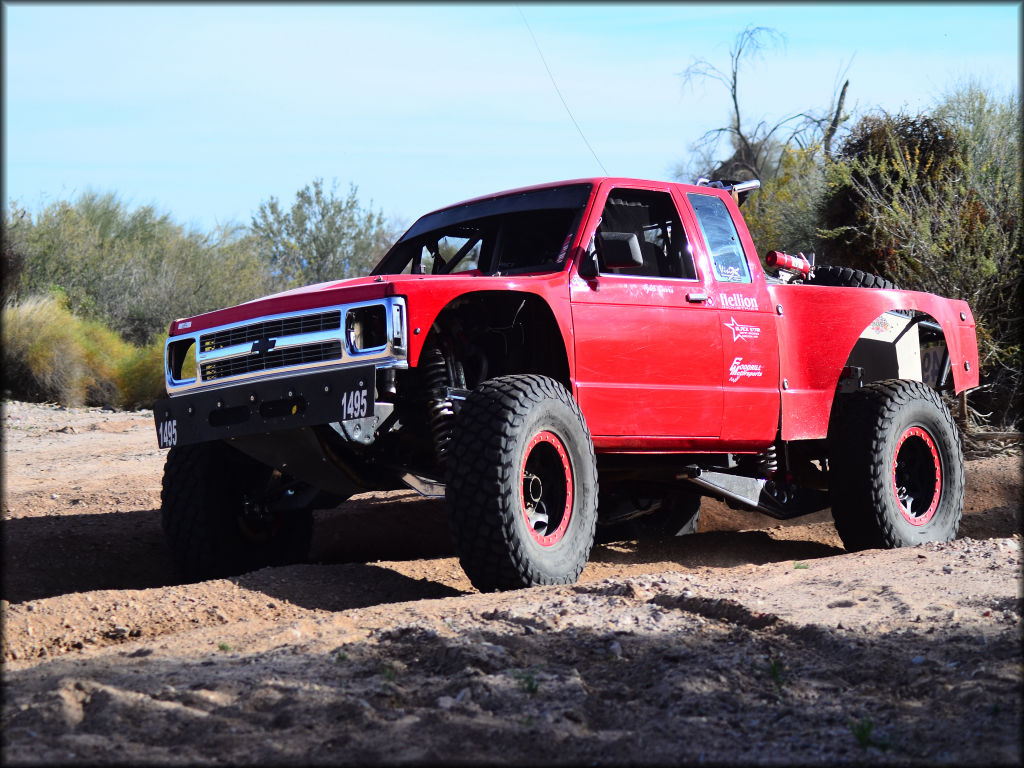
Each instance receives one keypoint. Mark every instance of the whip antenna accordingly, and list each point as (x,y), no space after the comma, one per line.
(568,111)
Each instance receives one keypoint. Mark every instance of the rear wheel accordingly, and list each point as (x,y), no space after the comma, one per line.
(897,471)
(522,486)
(224,513)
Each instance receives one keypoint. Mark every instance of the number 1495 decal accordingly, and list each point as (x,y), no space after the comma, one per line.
(168,433)
(353,404)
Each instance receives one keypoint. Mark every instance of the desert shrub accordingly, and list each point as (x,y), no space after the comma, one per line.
(135,270)
(140,377)
(783,215)
(50,355)
(884,155)
(323,236)
(43,359)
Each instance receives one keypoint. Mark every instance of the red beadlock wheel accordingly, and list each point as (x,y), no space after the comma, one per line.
(547,488)
(917,476)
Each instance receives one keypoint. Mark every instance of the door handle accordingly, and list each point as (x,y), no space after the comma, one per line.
(696,298)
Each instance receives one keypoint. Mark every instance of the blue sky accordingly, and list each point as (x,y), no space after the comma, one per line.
(207,110)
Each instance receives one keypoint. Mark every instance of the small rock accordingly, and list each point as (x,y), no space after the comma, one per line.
(615,649)
(917,660)
(947,569)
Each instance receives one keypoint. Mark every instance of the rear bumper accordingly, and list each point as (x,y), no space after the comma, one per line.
(259,407)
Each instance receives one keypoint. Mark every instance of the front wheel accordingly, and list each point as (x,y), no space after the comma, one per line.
(224,513)
(897,468)
(522,485)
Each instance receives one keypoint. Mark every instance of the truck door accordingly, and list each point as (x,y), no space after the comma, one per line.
(648,350)
(747,318)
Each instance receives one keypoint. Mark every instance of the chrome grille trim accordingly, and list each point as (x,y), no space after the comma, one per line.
(278,357)
(302,341)
(291,325)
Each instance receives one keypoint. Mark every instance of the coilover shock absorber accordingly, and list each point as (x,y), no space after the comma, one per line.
(770,460)
(435,378)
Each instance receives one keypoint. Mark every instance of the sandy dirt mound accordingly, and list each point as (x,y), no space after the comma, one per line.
(752,641)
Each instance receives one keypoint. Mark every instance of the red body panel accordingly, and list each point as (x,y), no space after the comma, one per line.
(815,344)
(429,294)
(750,373)
(648,360)
(653,368)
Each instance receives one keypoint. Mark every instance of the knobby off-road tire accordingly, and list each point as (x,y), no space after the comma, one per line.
(522,485)
(897,468)
(678,514)
(207,489)
(846,277)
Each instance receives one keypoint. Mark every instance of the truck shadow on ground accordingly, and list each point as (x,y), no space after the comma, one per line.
(55,555)
(716,549)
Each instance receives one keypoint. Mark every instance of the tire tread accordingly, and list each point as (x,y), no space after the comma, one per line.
(480,514)
(864,421)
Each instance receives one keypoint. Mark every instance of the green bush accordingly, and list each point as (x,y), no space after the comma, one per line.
(140,377)
(50,355)
(43,359)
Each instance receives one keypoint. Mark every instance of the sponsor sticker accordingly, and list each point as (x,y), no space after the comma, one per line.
(737,301)
(880,325)
(731,274)
(184,324)
(743,332)
(739,370)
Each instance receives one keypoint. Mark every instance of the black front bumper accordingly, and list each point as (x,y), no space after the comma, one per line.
(258,407)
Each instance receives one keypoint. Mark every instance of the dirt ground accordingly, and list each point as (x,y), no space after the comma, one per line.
(751,642)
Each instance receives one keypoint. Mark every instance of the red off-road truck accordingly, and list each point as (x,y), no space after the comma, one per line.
(568,360)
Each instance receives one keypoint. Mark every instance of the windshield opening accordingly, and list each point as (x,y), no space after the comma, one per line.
(528,232)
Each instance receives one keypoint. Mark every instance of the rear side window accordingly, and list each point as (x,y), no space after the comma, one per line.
(727,257)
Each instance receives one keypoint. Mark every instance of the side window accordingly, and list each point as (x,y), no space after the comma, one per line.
(727,257)
(652,217)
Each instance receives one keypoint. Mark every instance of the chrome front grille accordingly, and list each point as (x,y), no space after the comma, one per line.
(279,345)
(304,355)
(268,329)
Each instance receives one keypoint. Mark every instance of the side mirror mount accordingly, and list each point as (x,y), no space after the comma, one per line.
(588,264)
(620,249)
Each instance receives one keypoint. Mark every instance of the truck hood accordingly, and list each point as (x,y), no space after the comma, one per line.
(295,300)
(318,295)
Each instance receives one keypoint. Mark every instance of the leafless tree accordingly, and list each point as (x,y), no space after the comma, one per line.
(758,149)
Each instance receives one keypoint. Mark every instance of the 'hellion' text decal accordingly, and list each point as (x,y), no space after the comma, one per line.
(737,301)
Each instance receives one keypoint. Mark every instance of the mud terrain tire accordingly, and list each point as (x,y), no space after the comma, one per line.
(897,467)
(846,277)
(205,491)
(522,485)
